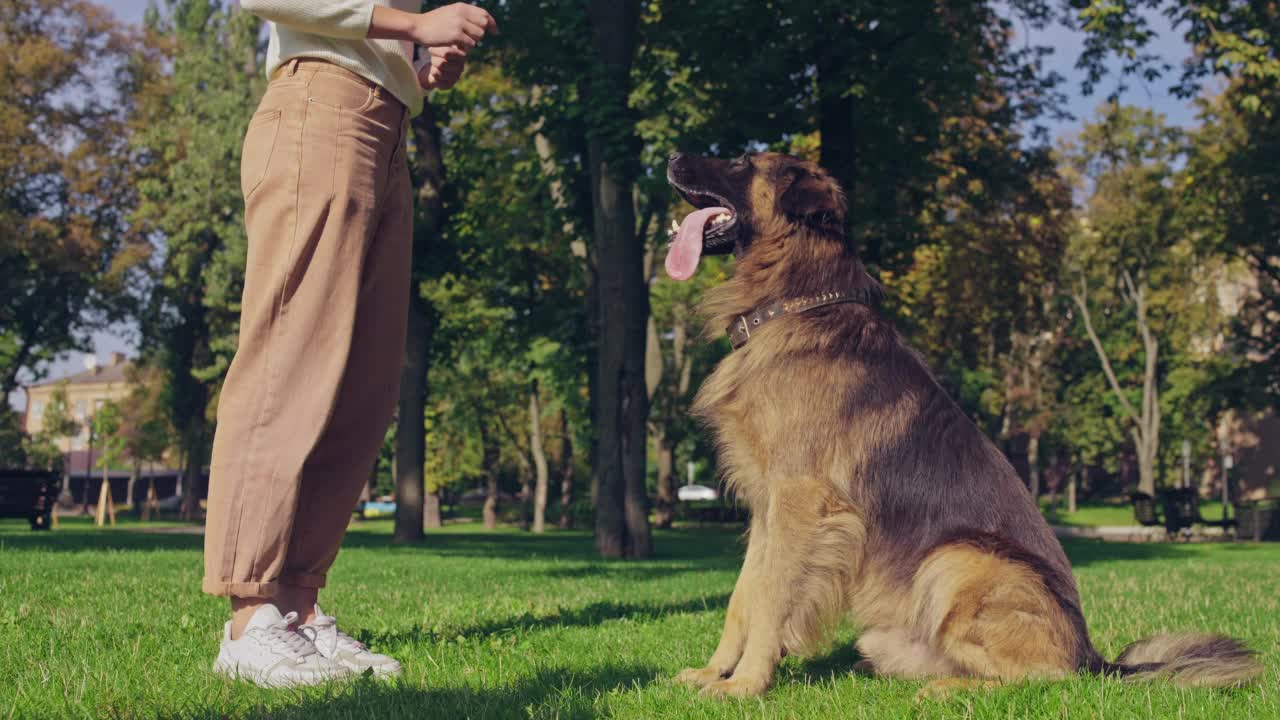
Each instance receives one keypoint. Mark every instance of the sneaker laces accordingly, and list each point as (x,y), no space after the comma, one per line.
(280,639)
(324,632)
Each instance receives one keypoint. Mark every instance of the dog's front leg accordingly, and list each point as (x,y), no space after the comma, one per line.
(734,637)
(792,516)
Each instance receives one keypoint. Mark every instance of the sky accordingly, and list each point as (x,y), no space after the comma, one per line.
(1067,44)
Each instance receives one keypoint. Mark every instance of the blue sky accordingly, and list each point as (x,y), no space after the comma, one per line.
(1067,44)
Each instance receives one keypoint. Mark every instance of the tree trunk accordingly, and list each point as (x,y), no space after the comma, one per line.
(1144,428)
(489,461)
(567,471)
(64,495)
(411,441)
(1148,451)
(622,514)
(133,483)
(664,513)
(1033,465)
(366,492)
(1071,493)
(88,473)
(426,168)
(539,462)
(192,474)
(431,511)
(526,500)
(836,127)
(490,512)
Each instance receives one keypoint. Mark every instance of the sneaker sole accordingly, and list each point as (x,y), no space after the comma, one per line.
(232,672)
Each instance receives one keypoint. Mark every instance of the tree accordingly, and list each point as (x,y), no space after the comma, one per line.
(504,283)
(59,425)
(1235,179)
(12,440)
(67,167)
(622,403)
(1132,243)
(882,86)
(189,124)
(683,364)
(107,422)
(537,449)
(145,425)
(416,506)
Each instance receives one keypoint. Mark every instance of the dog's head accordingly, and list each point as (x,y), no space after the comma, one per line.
(750,201)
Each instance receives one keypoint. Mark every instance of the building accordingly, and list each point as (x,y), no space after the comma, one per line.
(86,392)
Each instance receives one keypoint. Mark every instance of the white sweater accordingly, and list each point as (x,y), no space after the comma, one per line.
(335,30)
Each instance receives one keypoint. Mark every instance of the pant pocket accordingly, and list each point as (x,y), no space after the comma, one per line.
(259,146)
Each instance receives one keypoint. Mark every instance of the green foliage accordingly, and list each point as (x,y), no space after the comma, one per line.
(13,451)
(57,421)
(1138,233)
(926,111)
(42,450)
(195,94)
(65,258)
(107,423)
(145,425)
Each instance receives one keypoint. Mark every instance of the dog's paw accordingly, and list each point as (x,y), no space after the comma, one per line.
(699,677)
(864,667)
(735,687)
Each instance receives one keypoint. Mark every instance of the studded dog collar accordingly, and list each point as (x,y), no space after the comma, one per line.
(746,325)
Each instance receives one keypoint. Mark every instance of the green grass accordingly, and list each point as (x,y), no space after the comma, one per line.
(110,623)
(1116,513)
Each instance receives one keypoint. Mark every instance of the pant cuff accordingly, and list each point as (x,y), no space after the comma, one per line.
(294,578)
(223,588)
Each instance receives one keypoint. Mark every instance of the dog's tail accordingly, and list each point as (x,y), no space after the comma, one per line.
(1188,659)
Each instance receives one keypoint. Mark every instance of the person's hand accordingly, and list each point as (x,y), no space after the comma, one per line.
(458,25)
(444,70)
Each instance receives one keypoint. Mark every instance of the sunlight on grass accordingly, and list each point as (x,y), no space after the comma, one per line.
(1112,514)
(504,624)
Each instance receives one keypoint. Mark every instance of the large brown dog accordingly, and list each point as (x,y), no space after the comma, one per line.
(871,493)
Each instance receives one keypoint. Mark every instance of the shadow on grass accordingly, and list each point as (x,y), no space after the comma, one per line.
(586,616)
(1083,552)
(676,551)
(836,664)
(722,547)
(557,693)
(78,540)
(684,544)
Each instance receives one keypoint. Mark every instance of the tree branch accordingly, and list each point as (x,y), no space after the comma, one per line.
(1081,298)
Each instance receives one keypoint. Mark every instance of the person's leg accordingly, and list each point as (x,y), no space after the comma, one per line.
(311,221)
(338,467)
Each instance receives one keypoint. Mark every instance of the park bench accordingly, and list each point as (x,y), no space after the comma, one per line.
(29,494)
(1145,511)
(1176,509)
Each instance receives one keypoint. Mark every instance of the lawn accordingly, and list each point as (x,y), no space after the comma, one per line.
(109,623)
(1112,514)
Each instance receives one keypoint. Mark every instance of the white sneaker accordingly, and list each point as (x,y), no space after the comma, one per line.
(340,647)
(272,655)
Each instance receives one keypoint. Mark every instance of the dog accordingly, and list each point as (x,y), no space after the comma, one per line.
(871,494)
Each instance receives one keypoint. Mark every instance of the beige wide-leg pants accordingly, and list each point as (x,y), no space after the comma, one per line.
(308,397)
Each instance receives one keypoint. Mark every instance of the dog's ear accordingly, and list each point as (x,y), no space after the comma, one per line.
(812,199)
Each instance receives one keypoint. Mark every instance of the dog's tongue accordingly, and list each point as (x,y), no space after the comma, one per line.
(686,249)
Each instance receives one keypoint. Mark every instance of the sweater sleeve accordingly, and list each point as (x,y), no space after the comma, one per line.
(345,19)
